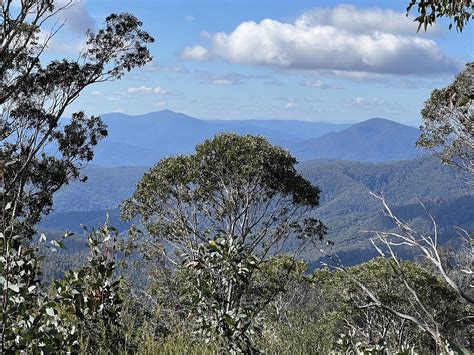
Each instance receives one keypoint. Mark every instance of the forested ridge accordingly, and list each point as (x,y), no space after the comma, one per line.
(346,205)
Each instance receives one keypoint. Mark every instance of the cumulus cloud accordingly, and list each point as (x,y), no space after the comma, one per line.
(318,84)
(189,18)
(140,90)
(341,39)
(354,20)
(195,53)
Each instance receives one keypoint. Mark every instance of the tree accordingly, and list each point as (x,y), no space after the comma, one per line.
(448,122)
(39,151)
(221,303)
(89,298)
(224,211)
(459,11)
(233,186)
(387,318)
(421,315)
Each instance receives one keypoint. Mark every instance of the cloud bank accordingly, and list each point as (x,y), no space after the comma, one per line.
(341,39)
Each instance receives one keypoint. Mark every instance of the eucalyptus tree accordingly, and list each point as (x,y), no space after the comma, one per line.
(239,187)
(458,11)
(222,212)
(448,122)
(39,151)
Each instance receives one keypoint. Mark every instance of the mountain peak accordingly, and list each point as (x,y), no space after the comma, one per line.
(373,140)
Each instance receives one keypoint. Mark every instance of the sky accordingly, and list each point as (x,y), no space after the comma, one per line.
(327,61)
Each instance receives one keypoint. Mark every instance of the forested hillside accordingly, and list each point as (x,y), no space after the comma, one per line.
(347,208)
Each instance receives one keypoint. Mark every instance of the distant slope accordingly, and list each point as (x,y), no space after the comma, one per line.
(346,207)
(110,153)
(294,129)
(374,140)
(104,189)
(144,139)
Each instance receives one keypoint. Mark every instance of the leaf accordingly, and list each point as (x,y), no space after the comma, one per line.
(50,311)
(57,243)
(14,288)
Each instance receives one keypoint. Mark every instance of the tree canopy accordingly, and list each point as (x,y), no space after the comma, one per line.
(41,151)
(233,187)
(448,122)
(458,11)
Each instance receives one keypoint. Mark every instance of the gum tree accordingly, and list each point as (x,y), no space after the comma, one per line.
(39,151)
(221,213)
(448,122)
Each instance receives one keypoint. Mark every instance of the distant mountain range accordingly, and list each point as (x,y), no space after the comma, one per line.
(143,140)
(374,140)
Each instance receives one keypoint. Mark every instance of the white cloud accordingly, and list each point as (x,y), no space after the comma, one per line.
(189,18)
(318,84)
(360,101)
(354,20)
(341,39)
(160,91)
(111,98)
(357,75)
(149,90)
(159,104)
(291,104)
(206,77)
(140,90)
(96,93)
(195,53)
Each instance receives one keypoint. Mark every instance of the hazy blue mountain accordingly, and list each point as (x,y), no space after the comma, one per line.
(144,139)
(293,129)
(374,140)
(110,153)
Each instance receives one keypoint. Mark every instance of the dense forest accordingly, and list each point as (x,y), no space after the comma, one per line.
(235,247)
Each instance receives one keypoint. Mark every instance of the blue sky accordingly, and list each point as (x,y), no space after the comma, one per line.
(326,61)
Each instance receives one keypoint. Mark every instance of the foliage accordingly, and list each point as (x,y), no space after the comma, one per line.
(23,324)
(89,299)
(222,272)
(368,326)
(224,210)
(233,185)
(448,122)
(40,153)
(459,11)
